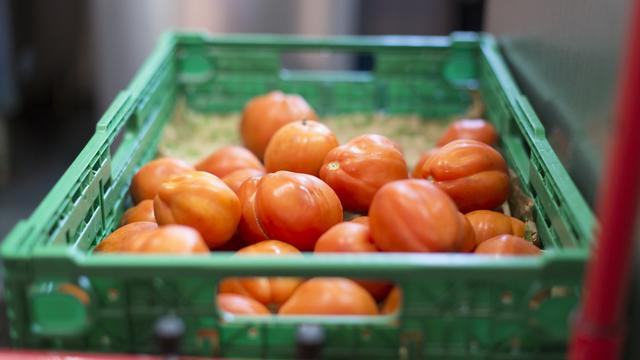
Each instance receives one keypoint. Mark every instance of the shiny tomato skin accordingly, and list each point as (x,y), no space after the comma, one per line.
(147,181)
(359,168)
(296,208)
(235,179)
(141,212)
(172,239)
(487,224)
(415,216)
(228,159)
(125,238)
(469,242)
(364,220)
(518,227)
(393,301)
(473,129)
(249,228)
(424,157)
(508,245)
(240,305)
(329,296)
(264,115)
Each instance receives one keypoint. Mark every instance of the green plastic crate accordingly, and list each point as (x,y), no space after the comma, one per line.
(455,305)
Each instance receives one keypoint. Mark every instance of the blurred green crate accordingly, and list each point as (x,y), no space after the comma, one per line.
(455,306)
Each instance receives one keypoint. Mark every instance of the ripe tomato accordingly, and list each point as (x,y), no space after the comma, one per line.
(125,238)
(474,129)
(146,182)
(518,227)
(264,115)
(393,302)
(472,173)
(300,147)
(228,159)
(364,220)
(507,245)
(329,296)
(357,169)
(415,216)
(235,179)
(487,224)
(202,201)
(141,212)
(240,305)
(296,208)
(417,171)
(266,290)
(469,242)
(172,239)
(249,228)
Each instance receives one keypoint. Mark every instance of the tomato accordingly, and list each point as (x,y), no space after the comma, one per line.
(240,305)
(507,245)
(357,169)
(202,201)
(487,224)
(125,238)
(266,290)
(300,147)
(415,216)
(141,212)
(393,301)
(417,171)
(469,242)
(264,115)
(472,173)
(228,159)
(296,208)
(346,237)
(518,227)
(329,296)
(146,182)
(474,129)
(235,179)
(249,228)
(364,220)
(172,239)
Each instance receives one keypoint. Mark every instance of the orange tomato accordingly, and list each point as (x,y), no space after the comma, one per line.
(469,242)
(417,171)
(266,290)
(202,201)
(474,129)
(172,239)
(364,220)
(487,224)
(141,212)
(264,115)
(393,301)
(125,238)
(146,182)
(300,147)
(472,173)
(357,169)
(518,227)
(329,296)
(235,179)
(228,159)
(249,228)
(507,245)
(415,216)
(240,305)
(296,208)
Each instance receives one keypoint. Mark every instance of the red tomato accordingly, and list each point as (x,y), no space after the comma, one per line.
(364,220)
(329,296)
(125,238)
(469,242)
(240,305)
(264,115)
(473,129)
(415,216)
(507,245)
(266,290)
(172,239)
(146,182)
(417,171)
(296,208)
(202,201)
(300,147)
(141,212)
(472,173)
(249,228)
(393,302)
(518,227)
(235,179)
(228,159)
(357,169)
(487,224)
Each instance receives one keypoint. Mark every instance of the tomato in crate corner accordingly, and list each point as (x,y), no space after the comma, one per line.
(146,182)
(471,129)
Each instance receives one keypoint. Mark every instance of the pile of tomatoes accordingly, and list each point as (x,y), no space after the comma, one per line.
(288,190)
